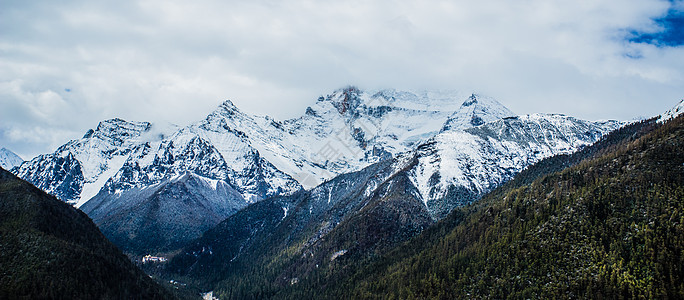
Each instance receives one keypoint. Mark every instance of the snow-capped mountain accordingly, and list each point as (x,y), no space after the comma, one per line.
(452,147)
(340,133)
(79,169)
(259,156)
(351,129)
(360,218)
(9,159)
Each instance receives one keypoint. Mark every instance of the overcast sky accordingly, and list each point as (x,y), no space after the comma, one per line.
(66,65)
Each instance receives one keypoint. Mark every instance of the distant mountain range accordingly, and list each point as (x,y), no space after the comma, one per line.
(451,147)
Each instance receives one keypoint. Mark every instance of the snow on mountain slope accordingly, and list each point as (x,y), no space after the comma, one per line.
(120,155)
(476,111)
(79,169)
(142,182)
(460,165)
(673,112)
(58,174)
(9,159)
(251,147)
(147,165)
(340,133)
(350,129)
(390,201)
(262,157)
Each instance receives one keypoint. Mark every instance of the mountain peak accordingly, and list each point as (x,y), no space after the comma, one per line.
(119,130)
(346,99)
(475,111)
(228,104)
(121,126)
(470,101)
(9,159)
(118,122)
(227,109)
(227,116)
(351,97)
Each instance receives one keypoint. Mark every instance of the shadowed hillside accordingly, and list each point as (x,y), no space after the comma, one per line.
(48,249)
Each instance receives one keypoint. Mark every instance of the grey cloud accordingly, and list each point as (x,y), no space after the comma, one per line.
(174,61)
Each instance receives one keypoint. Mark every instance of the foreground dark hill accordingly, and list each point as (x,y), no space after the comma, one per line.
(48,249)
(609,226)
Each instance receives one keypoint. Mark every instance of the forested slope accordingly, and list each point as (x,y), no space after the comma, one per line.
(50,250)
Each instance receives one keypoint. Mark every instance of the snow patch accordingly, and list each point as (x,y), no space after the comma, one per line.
(338,254)
(213,183)
(90,189)
(285,209)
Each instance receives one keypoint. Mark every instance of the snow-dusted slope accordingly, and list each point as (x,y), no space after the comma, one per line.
(9,159)
(673,112)
(459,165)
(58,174)
(249,144)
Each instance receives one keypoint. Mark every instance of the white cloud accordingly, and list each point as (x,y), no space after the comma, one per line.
(176,60)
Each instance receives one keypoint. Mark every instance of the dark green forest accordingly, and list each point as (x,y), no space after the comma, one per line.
(50,250)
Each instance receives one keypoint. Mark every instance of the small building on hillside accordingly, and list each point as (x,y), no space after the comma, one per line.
(156,259)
